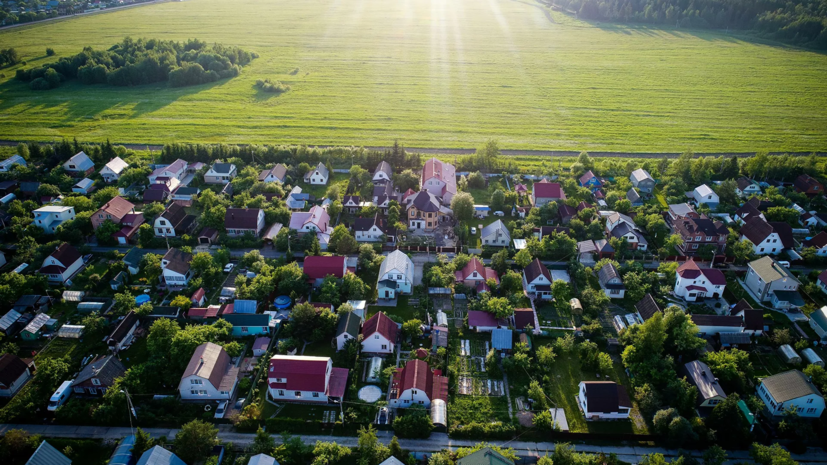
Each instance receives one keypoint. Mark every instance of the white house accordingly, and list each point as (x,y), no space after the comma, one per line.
(416,384)
(369,229)
(791,390)
(210,375)
(112,170)
(177,170)
(50,217)
(220,173)
(350,203)
(763,236)
(615,219)
(347,329)
(704,195)
(818,242)
(305,379)
(62,264)
(495,234)
(79,165)
(379,334)
(277,173)
(383,172)
(240,221)
(318,175)
(84,186)
(440,179)
(14,374)
(295,199)
(610,282)
(537,279)
(818,321)
(604,400)
(632,235)
(693,282)
(7,164)
(175,266)
(396,275)
(747,187)
(316,220)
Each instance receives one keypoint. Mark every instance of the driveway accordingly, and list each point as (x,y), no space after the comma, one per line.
(419,260)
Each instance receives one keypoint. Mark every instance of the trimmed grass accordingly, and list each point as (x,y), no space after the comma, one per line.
(320,349)
(319,191)
(403,310)
(487,70)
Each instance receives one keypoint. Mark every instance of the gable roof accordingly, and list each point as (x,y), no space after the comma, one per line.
(66,254)
(805,182)
(118,207)
(770,270)
(321,168)
(744,182)
(647,307)
(179,261)
(365,224)
(632,195)
(485,456)
(117,165)
(700,226)
(753,320)
(641,175)
(384,167)
(175,213)
(418,375)
(756,229)
(548,190)
(46,454)
(134,256)
(703,190)
(586,177)
(397,260)
(523,317)
(701,376)
(785,233)
(123,328)
(81,161)
(494,227)
(11,367)
(424,201)
(381,324)
(318,267)
(789,385)
(690,270)
(159,456)
(106,368)
(348,323)
(607,273)
(174,167)
(681,209)
(535,269)
(302,373)
(606,396)
(818,241)
(740,307)
(222,168)
(209,361)
(262,459)
(241,218)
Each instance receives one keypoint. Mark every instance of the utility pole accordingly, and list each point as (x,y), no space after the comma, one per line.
(130,410)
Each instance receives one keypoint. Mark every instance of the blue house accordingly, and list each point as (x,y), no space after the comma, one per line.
(590,180)
(247,324)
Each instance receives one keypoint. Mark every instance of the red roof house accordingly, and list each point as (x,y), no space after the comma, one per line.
(544,192)
(318,267)
(198,297)
(305,379)
(475,274)
(379,334)
(416,384)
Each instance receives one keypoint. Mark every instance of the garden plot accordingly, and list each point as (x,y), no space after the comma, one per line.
(472,379)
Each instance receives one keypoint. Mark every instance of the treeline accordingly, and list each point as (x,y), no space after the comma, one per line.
(801,22)
(142,61)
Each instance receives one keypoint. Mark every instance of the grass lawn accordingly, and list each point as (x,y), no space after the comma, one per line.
(306,412)
(319,191)
(403,309)
(320,349)
(136,354)
(506,70)
(767,364)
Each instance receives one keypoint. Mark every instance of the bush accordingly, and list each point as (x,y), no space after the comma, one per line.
(50,52)
(414,423)
(475,430)
(275,87)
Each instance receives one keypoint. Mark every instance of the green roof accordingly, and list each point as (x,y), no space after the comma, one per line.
(745,410)
(485,456)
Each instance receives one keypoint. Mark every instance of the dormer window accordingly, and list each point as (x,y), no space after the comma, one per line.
(96,381)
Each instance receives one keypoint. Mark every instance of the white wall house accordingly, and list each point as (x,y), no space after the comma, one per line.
(379,334)
(615,219)
(220,173)
(50,217)
(177,170)
(747,187)
(603,400)
(770,282)
(495,234)
(15,373)
(791,390)
(398,269)
(210,375)
(537,279)
(305,379)
(175,266)
(62,264)
(113,170)
(368,229)
(416,384)
(704,195)
(694,283)
(317,176)
(383,172)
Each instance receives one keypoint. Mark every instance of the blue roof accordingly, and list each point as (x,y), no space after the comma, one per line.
(123,453)
(482,207)
(245,306)
(501,339)
(159,456)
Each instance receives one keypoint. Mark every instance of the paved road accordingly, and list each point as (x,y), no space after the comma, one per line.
(436,442)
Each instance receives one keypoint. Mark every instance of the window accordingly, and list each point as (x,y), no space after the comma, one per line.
(384,346)
(93,391)
(298,394)
(315,394)
(809,401)
(281,392)
(697,238)
(811,410)
(376,336)
(196,381)
(96,381)
(243,329)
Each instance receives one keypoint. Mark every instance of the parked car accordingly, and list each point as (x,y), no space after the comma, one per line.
(784,263)
(228,268)
(221,409)
(499,213)
(473,231)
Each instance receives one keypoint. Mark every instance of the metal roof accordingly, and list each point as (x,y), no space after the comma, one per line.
(501,339)
(48,455)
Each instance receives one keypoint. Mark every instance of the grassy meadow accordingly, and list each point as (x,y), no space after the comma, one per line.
(432,73)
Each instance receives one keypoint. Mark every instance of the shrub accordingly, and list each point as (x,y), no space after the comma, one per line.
(475,430)
(274,87)
(50,52)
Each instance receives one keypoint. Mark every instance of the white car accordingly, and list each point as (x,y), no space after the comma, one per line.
(499,213)
(473,231)
(221,409)
(228,268)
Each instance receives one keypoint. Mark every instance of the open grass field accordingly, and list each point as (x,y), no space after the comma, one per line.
(432,73)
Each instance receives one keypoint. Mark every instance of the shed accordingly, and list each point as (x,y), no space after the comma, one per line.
(789,354)
(501,339)
(90,307)
(441,318)
(439,413)
(123,453)
(812,357)
(558,419)
(733,339)
(374,370)
(576,306)
(70,331)
(73,296)
(245,306)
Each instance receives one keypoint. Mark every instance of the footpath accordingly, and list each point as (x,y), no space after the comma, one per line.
(437,442)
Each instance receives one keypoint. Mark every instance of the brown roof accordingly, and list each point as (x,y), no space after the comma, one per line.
(805,183)
(753,320)
(418,375)
(66,254)
(241,218)
(743,182)
(818,241)
(175,214)
(740,307)
(756,230)
(118,207)
(701,226)
(785,233)
(535,269)
(11,367)
(647,307)
(123,328)
(179,261)
(380,323)
(209,361)
(717,320)
(606,396)
(523,317)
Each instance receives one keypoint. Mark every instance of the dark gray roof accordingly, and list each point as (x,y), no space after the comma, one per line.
(179,261)
(123,328)
(106,368)
(647,307)
(607,273)
(348,323)
(425,201)
(48,455)
(384,167)
(632,195)
(222,167)
(789,385)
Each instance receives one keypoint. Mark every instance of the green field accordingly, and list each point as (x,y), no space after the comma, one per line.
(431,74)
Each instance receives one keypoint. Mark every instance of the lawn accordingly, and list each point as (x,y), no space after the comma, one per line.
(403,310)
(446,74)
(320,349)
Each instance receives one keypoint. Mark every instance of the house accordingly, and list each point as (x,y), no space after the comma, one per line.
(14,374)
(50,217)
(604,400)
(98,376)
(7,164)
(475,275)
(113,170)
(159,192)
(484,322)
(220,173)
(712,325)
(693,283)
(199,297)
(347,329)
(262,459)
(749,210)
(177,170)
(370,229)
(46,454)
(241,221)
(383,193)
(543,192)
(610,281)
(277,173)
(642,180)
(753,319)
(315,221)
(699,234)
(808,219)
(746,187)
(249,324)
(379,334)
(424,211)
(260,346)
(173,222)
(383,172)
(818,321)
(439,178)
(350,203)
(62,264)
(525,317)
(537,279)
(566,213)
(485,456)
(417,384)
(495,234)
(175,266)
(133,259)
(295,200)
(704,195)
(396,276)
(317,176)
(590,180)
(29,188)
(84,186)
(818,242)
(123,332)
(710,392)
(319,267)
(634,197)
(681,211)
(157,455)
(768,281)
(806,184)
(114,210)
(632,235)
(185,195)
(791,390)
(118,281)
(305,379)
(210,375)
(79,165)
(11,323)
(615,219)
(767,238)
(647,307)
